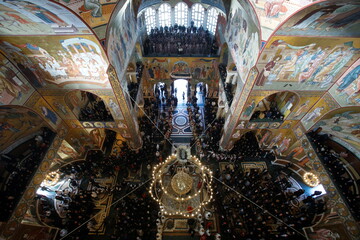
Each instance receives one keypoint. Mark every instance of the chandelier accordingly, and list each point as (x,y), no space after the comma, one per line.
(311,179)
(181,184)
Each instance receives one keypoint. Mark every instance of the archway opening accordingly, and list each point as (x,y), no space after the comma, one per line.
(87,106)
(181,87)
(25,139)
(275,107)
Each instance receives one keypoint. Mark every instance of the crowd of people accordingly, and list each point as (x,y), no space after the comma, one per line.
(133,87)
(19,170)
(248,206)
(272,114)
(179,40)
(95,110)
(136,217)
(228,86)
(335,166)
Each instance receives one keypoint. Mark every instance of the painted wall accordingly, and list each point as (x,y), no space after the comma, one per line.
(243,36)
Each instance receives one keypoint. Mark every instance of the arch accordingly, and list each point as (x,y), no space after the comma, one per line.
(347,121)
(16,123)
(81,103)
(181,14)
(275,107)
(197,15)
(164,12)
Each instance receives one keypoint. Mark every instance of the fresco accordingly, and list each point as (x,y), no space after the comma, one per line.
(14,88)
(328,18)
(346,90)
(44,109)
(80,140)
(159,69)
(310,64)
(307,100)
(59,61)
(16,123)
(243,36)
(38,17)
(76,100)
(122,34)
(67,151)
(60,107)
(323,106)
(272,13)
(113,106)
(342,123)
(95,13)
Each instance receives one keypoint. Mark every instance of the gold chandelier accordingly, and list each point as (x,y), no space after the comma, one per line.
(181,185)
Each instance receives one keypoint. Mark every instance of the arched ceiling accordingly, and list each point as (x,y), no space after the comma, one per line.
(70,56)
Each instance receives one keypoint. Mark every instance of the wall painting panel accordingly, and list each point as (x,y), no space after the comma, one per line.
(309,64)
(346,90)
(59,61)
(243,36)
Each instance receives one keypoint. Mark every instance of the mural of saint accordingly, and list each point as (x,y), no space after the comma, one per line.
(314,114)
(260,81)
(94,6)
(302,109)
(47,113)
(349,78)
(249,109)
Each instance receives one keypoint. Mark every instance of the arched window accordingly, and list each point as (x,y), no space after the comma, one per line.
(212,20)
(181,14)
(197,14)
(165,15)
(150,19)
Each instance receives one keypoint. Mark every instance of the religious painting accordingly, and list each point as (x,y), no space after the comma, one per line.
(323,106)
(96,13)
(298,131)
(326,19)
(59,105)
(113,106)
(312,64)
(75,101)
(288,124)
(156,69)
(59,61)
(331,230)
(44,109)
(80,140)
(16,123)
(307,100)
(203,69)
(67,151)
(343,123)
(180,69)
(346,90)
(14,88)
(38,17)
(272,13)
(97,135)
(243,36)
(73,123)
(121,38)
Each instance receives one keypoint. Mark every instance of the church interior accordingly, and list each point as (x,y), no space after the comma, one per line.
(174,120)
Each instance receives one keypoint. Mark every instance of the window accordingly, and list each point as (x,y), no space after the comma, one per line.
(181,14)
(150,19)
(212,20)
(165,15)
(198,15)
